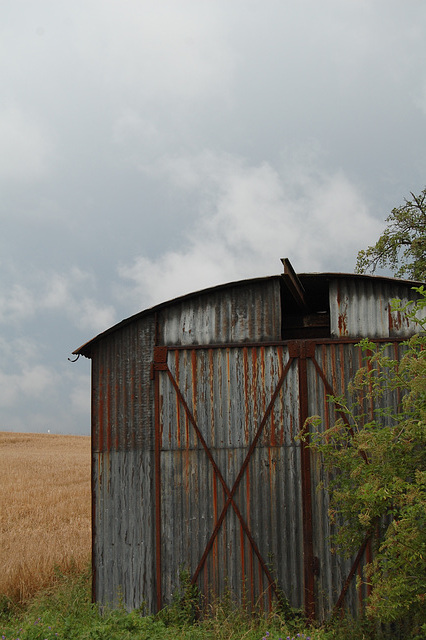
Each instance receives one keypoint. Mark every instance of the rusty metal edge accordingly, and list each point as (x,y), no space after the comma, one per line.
(279,343)
(351,574)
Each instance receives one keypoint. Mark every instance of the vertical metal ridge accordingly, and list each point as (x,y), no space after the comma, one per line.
(157,494)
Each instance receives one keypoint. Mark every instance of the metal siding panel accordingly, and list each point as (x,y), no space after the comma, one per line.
(122,389)
(339,363)
(123,549)
(227,392)
(249,312)
(122,467)
(362,307)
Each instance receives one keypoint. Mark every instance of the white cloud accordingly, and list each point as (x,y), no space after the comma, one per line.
(94,316)
(249,217)
(16,303)
(72,294)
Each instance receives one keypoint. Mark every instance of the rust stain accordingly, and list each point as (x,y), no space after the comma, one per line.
(334,376)
(254,383)
(262,373)
(248,495)
(276,428)
(212,411)
(228,373)
(108,425)
(391,322)
(326,403)
(178,416)
(397,321)
(101,412)
(161,421)
(246,398)
(342,322)
(194,361)
(341,377)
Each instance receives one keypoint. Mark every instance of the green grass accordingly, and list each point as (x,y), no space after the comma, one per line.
(65,612)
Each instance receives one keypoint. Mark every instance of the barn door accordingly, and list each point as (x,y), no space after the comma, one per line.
(229,489)
(237,500)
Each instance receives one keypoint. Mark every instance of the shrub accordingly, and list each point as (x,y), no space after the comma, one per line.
(377,465)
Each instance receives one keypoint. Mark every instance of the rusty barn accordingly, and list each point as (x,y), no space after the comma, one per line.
(197,404)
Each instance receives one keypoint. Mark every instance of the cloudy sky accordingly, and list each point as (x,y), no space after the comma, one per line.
(149,148)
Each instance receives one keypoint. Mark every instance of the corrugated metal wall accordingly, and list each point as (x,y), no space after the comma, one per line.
(329,372)
(248,312)
(227,392)
(362,307)
(338,363)
(123,467)
(159,489)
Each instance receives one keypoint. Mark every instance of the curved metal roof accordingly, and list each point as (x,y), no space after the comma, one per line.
(303,278)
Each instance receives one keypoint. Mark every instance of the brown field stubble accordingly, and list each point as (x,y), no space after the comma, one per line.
(45,509)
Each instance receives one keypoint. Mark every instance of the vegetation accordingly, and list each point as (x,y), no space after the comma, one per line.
(64,612)
(376,457)
(49,603)
(45,510)
(402,245)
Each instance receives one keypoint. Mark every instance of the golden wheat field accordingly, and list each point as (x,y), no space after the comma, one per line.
(45,509)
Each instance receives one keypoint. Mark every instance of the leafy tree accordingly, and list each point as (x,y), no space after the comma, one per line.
(402,245)
(376,456)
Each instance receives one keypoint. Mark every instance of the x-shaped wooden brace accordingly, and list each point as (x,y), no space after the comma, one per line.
(163,366)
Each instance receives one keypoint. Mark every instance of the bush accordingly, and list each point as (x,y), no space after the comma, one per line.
(378,474)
